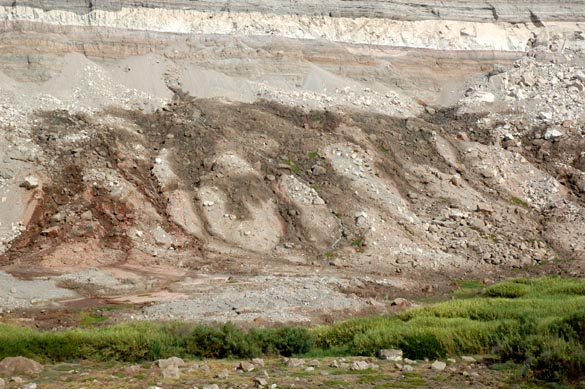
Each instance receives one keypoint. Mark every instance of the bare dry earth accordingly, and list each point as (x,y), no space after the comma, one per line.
(269,179)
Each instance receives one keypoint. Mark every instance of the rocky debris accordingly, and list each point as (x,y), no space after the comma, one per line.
(258,362)
(170,367)
(261,381)
(222,374)
(390,354)
(133,369)
(294,362)
(30,182)
(438,365)
(360,365)
(552,133)
(2,384)
(237,303)
(246,367)
(172,361)
(20,365)
(31,385)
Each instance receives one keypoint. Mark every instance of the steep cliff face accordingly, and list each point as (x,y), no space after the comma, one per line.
(407,140)
(436,34)
(465,10)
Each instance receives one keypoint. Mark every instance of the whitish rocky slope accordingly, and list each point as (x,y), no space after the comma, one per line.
(344,153)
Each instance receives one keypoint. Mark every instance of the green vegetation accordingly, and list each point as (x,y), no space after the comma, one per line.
(536,325)
(291,164)
(520,202)
(313,154)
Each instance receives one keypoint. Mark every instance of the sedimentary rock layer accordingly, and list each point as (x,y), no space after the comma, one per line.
(468,10)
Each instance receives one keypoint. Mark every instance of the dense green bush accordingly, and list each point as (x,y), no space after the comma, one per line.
(422,346)
(507,289)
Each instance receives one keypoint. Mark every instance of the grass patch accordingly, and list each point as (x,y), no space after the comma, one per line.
(520,202)
(291,165)
(536,326)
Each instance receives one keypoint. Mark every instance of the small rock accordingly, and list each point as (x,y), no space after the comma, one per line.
(212,386)
(487,208)
(400,303)
(294,362)
(407,368)
(222,374)
(456,180)
(171,372)
(261,381)
(468,359)
(438,366)
(451,360)
(129,370)
(19,365)
(246,366)
(360,365)
(31,385)
(30,182)
(390,354)
(334,364)
(309,369)
(317,170)
(172,361)
(17,380)
(314,363)
(552,133)
(258,362)
(270,177)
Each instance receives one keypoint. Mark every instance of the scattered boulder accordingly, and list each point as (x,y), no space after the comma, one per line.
(360,365)
(222,374)
(401,303)
(294,362)
(438,365)
(258,362)
(390,354)
(172,361)
(171,372)
(552,133)
(129,370)
(30,182)
(19,365)
(407,368)
(246,367)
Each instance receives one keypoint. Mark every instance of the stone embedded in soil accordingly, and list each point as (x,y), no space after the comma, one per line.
(438,365)
(390,354)
(19,365)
